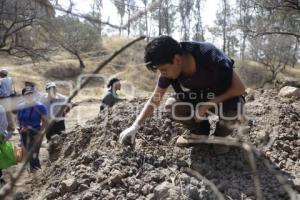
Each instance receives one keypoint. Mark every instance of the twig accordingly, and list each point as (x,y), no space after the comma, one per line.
(252,164)
(9,186)
(181,189)
(144,139)
(175,177)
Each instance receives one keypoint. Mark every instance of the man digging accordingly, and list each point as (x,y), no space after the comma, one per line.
(204,81)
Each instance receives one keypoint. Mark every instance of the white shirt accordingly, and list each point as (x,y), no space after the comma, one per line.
(3,122)
(53,105)
(6,87)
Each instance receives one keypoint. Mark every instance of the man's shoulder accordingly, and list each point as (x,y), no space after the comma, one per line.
(108,93)
(40,105)
(190,44)
(61,96)
(21,106)
(7,79)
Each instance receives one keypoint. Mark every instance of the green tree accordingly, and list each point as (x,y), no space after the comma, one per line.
(165,16)
(74,36)
(225,28)
(198,28)
(121,7)
(185,9)
(97,8)
(275,54)
(21,33)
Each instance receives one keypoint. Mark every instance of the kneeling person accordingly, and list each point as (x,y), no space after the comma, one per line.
(199,73)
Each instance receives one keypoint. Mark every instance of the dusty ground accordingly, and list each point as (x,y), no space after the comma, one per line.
(88,163)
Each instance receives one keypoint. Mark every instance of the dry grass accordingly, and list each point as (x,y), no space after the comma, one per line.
(254,73)
(293,72)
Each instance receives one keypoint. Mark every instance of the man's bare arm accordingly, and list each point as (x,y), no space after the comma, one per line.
(44,120)
(151,104)
(237,88)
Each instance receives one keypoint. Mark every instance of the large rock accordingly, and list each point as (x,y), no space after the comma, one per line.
(166,191)
(289,91)
(68,185)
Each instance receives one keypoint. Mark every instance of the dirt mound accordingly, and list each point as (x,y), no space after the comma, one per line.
(88,163)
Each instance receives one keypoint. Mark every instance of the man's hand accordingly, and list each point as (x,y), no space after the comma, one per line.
(25,129)
(201,112)
(129,134)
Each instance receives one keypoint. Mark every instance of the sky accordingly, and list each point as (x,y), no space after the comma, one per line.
(110,13)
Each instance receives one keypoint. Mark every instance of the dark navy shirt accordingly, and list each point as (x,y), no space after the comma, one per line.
(213,70)
(110,98)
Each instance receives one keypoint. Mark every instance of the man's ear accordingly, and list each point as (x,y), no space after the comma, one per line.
(177,59)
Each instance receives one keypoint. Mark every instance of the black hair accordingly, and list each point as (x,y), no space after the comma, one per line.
(112,81)
(161,50)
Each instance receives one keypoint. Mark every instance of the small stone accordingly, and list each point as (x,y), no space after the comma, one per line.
(289,91)
(131,196)
(297,184)
(194,181)
(68,185)
(87,196)
(116,177)
(83,187)
(193,192)
(166,191)
(150,196)
(147,189)
(52,194)
(137,188)
(185,178)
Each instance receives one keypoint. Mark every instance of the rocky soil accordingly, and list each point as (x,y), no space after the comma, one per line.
(88,162)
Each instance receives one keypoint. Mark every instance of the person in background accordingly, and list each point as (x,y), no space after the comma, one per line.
(7,91)
(111,97)
(32,117)
(36,93)
(54,101)
(3,133)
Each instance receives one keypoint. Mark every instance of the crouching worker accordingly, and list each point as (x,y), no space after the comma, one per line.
(203,79)
(32,117)
(9,153)
(111,97)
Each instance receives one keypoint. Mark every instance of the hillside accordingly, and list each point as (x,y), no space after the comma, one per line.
(88,162)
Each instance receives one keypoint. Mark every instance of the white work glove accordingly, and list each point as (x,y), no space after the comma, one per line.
(129,134)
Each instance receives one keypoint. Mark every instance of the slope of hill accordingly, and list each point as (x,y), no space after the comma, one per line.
(88,162)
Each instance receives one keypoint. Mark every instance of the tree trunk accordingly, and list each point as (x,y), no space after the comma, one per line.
(159,19)
(224,25)
(147,29)
(129,23)
(81,63)
(295,56)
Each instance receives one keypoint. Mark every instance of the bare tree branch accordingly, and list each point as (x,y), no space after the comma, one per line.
(279,33)
(84,16)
